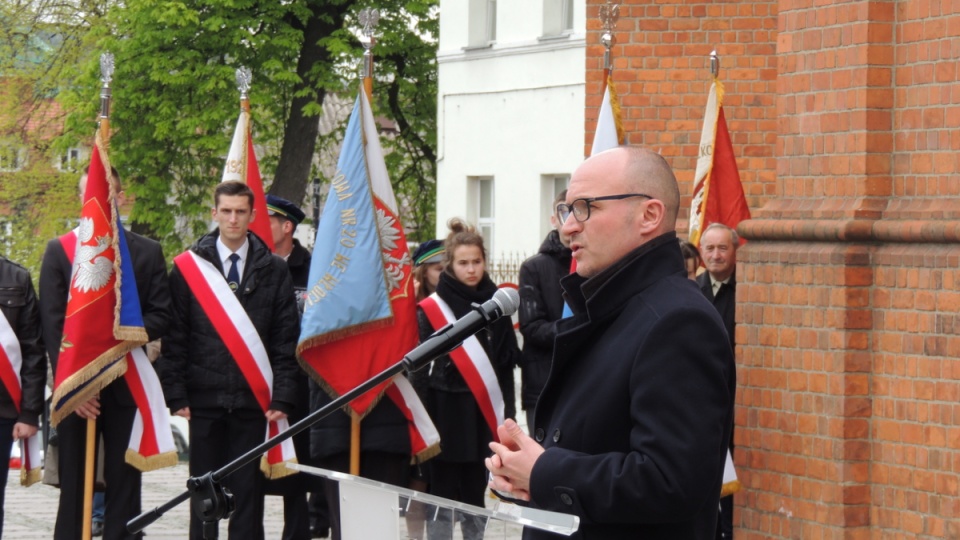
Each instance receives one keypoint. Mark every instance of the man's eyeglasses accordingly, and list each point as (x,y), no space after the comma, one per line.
(581,207)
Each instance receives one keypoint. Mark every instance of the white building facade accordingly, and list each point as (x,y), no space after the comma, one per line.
(510,115)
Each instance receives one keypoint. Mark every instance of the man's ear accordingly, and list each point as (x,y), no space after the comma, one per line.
(287,226)
(652,216)
(253,214)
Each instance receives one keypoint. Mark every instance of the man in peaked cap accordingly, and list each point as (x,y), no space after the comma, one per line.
(298,520)
(284,218)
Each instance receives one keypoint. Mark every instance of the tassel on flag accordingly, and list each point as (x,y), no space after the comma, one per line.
(717,194)
(360,313)
(103,319)
(242,166)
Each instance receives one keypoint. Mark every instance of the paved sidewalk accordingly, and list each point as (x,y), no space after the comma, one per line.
(31,512)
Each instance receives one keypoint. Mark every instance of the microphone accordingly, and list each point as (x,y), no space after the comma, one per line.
(504,303)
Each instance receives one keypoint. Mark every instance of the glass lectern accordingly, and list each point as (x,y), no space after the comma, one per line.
(371,510)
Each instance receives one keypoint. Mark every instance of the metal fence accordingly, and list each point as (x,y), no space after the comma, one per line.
(505,268)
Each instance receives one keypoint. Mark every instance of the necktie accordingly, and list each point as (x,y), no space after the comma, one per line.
(233,276)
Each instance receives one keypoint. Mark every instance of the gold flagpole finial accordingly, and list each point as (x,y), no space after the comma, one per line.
(609,15)
(106,77)
(244,78)
(714,64)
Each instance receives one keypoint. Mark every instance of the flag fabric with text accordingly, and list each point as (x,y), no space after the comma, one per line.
(360,312)
(242,166)
(717,194)
(103,320)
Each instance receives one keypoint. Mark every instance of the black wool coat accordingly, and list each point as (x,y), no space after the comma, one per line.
(196,368)
(637,412)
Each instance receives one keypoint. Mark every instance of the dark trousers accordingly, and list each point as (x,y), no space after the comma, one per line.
(6,442)
(122,497)
(380,466)
(462,482)
(725,519)
(218,436)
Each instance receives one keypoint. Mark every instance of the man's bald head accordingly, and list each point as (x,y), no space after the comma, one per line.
(649,173)
(631,197)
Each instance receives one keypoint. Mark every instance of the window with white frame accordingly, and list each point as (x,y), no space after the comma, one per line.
(70,159)
(482,208)
(557,17)
(12,158)
(482,23)
(550,186)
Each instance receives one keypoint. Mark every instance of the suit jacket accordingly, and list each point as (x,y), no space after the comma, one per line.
(725,301)
(150,269)
(636,414)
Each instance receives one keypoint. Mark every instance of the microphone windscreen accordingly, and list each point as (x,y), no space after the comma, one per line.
(508,299)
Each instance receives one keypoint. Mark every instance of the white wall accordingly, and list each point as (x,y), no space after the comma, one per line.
(514,111)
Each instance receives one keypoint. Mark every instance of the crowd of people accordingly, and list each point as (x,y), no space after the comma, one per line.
(627,369)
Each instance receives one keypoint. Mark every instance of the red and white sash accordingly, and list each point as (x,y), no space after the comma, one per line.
(472,362)
(11,359)
(151,445)
(424,438)
(240,336)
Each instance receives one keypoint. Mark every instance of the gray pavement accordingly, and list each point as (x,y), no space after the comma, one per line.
(31,512)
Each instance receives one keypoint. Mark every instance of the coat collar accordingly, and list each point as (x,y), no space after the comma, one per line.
(607,292)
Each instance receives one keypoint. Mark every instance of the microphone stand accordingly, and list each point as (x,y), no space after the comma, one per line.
(212,502)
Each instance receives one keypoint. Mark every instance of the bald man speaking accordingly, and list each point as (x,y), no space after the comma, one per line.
(631,430)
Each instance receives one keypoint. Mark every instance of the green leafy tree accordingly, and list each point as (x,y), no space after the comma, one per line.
(175,101)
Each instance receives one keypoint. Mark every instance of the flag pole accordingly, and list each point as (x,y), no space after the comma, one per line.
(368,18)
(106,76)
(244,78)
(609,15)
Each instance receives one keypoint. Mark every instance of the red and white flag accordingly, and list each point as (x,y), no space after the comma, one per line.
(717,193)
(242,166)
(609,133)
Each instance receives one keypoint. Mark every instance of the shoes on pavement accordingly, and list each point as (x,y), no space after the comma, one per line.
(96,529)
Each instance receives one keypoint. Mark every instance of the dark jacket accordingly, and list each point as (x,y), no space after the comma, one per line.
(541,304)
(150,270)
(18,303)
(299,264)
(636,414)
(196,368)
(383,429)
(725,301)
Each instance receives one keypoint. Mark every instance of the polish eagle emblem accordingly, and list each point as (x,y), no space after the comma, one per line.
(92,271)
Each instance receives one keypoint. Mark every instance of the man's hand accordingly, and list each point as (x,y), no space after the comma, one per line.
(184,412)
(23,431)
(89,410)
(512,461)
(273,415)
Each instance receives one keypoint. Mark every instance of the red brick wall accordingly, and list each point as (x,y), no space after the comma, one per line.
(662,73)
(845,117)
